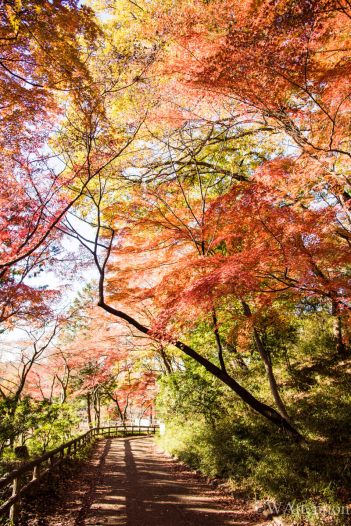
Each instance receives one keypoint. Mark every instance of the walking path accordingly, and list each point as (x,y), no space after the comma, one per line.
(129,482)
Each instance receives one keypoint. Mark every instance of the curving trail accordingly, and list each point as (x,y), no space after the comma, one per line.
(129,482)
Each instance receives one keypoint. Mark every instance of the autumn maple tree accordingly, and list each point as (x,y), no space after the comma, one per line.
(199,154)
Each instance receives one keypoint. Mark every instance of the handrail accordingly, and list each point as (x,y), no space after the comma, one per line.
(65,450)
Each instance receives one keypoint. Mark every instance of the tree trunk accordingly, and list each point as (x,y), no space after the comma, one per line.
(337,329)
(89,411)
(218,340)
(119,410)
(165,360)
(268,367)
(270,375)
(97,409)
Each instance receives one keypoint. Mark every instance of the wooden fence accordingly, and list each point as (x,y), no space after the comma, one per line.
(18,482)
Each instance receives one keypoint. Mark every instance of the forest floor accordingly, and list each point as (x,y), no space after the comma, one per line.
(130,482)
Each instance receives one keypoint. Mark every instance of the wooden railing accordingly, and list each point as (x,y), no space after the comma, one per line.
(18,482)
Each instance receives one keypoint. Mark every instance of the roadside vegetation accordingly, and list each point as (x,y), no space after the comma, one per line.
(211,431)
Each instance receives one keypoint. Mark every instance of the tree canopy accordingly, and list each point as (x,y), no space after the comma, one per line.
(175,207)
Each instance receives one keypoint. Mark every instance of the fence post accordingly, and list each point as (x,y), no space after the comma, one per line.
(14,508)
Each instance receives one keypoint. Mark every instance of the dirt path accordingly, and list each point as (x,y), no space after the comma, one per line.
(129,482)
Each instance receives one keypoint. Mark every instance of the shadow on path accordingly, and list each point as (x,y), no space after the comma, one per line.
(96,480)
(141,487)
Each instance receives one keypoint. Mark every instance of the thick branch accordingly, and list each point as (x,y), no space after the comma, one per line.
(268,412)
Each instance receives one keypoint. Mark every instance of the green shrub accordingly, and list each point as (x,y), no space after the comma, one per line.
(211,430)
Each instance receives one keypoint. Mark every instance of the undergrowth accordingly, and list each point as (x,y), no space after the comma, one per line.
(210,430)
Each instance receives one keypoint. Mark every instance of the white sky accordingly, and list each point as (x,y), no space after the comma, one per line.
(69,283)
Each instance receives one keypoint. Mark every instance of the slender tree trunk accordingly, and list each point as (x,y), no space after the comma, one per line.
(97,409)
(218,340)
(152,419)
(165,360)
(89,410)
(125,416)
(119,410)
(268,366)
(337,329)
(121,415)
(271,377)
